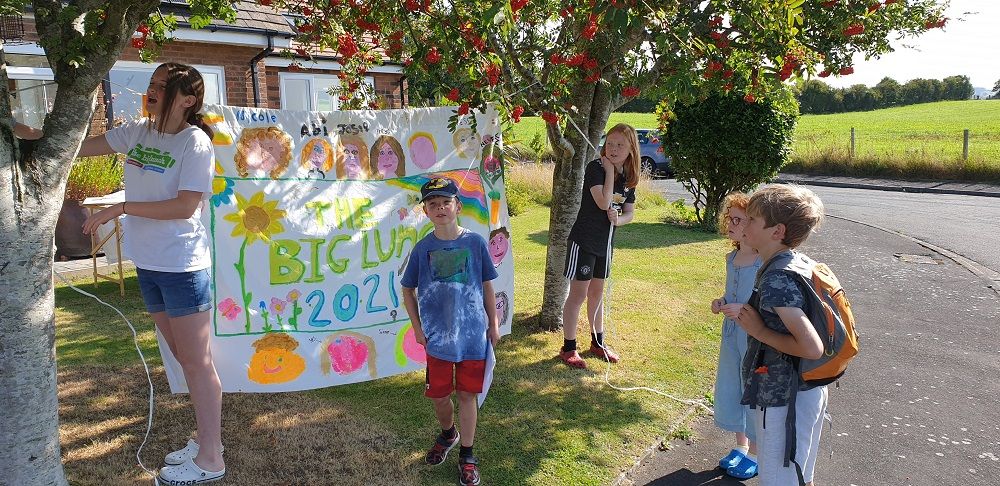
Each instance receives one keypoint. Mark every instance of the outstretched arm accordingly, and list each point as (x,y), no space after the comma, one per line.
(181,207)
(96,145)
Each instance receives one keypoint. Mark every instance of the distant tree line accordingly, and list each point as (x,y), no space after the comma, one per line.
(816,97)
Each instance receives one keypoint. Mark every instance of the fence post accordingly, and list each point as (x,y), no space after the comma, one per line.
(965,144)
(852,142)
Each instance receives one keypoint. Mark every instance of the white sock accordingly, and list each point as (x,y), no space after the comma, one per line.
(742,448)
(752,457)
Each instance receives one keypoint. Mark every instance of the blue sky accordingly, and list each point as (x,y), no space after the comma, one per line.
(969,45)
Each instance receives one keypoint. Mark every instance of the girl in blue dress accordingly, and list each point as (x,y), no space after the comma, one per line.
(741,270)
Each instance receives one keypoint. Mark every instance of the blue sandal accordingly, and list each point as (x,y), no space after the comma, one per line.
(732,459)
(746,469)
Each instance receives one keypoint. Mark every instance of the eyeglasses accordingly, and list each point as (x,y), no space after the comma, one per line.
(735,220)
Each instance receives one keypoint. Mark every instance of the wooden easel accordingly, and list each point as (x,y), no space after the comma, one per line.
(97,246)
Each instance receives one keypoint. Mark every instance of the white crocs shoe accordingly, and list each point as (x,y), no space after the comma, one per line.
(188,452)
(188,473)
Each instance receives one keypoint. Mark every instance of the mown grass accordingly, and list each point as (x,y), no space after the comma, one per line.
(543,423)
(921,141)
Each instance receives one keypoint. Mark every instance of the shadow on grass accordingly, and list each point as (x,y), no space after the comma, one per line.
(90,333)
(537,411)
(282,438)
(645,236)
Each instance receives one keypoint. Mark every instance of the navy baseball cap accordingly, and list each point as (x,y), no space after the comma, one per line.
(438,186)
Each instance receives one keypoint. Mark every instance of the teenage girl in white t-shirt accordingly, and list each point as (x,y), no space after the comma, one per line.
(168,175)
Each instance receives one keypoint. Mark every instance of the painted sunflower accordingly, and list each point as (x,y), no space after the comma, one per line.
(256,219)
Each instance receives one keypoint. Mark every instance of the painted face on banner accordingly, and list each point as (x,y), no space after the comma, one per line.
(317,156)
(499,244)
(265,153)
(352,161)
(388,161)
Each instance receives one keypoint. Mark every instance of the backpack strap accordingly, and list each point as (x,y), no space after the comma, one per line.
(790,419)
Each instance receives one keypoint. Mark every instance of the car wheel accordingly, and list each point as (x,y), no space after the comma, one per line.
(646,166)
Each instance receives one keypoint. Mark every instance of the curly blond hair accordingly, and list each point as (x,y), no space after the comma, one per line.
(260,134)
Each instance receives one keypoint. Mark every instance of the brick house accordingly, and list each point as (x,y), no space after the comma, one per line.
(241,63)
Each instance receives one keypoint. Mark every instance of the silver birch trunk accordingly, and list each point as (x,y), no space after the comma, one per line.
(573,151)
(32,182)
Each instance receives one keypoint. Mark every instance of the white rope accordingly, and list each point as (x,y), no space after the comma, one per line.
(149,378)
(608,325)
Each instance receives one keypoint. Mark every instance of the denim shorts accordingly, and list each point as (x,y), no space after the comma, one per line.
(178,293)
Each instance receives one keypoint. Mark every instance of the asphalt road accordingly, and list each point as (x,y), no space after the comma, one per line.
(919,406)
(967,225)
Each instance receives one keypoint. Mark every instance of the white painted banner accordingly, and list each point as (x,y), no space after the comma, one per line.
(312,218)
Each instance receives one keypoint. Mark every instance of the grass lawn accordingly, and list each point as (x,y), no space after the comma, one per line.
(542,423)
(916,141)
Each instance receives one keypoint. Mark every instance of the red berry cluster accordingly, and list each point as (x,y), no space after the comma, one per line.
(516,5)
(630,92)
(433,56)
(936,23)
(590,30)
(346,46)
(140,42)
(516,113)
(550,118)
(854,29)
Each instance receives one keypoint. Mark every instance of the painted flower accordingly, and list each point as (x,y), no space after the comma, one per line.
(277,305)
(256,219)
(294,295)
(222,191)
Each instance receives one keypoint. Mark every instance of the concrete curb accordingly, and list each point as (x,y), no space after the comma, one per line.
(889,185)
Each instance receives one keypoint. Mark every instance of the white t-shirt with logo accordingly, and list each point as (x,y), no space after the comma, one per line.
(157,166)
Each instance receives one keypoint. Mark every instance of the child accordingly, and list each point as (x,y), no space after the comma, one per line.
(453,315)
(780,218)
(168,175)
(608,200)
(741,270)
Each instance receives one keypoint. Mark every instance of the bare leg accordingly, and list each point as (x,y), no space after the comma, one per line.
(571,308)
(741,439)
(162,322)
(445,411)
(467,414)
(595,305)
(191,342)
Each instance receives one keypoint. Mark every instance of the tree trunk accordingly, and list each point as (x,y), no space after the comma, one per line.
(32,182)
(573,151)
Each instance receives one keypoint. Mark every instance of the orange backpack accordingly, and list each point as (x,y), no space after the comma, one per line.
(830,313)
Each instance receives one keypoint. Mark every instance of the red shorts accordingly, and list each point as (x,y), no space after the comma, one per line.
(445,376)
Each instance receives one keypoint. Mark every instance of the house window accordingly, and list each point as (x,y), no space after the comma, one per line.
(130,79)
(32,94)
(310,92)
(33,90)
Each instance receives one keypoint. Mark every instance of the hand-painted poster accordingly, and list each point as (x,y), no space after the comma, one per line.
(312,218)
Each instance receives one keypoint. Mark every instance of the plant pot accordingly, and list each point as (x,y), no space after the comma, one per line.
(70,240)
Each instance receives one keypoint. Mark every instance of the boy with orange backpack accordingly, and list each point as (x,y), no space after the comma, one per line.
(801,334)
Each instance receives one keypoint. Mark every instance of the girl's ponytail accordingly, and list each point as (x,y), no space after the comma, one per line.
(198,120)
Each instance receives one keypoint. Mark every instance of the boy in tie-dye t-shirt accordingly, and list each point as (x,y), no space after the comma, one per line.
(449,296)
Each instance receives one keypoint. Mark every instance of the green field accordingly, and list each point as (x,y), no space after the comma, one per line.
(912,141)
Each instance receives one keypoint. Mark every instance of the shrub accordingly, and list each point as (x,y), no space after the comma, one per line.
(94,176)
(724,143)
